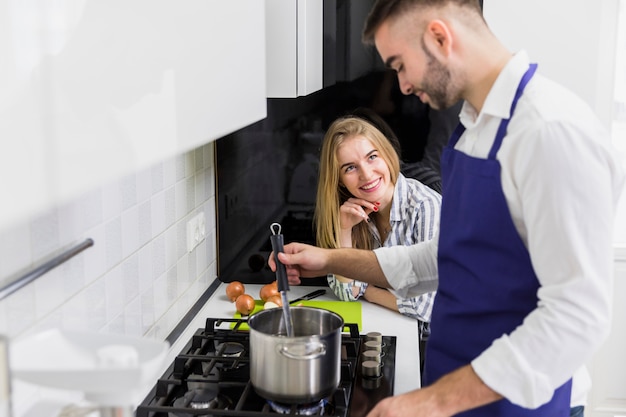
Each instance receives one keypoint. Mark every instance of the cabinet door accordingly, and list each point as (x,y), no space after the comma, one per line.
(90,91)
(294,37)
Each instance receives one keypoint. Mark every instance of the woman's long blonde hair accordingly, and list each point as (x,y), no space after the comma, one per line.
(330,195)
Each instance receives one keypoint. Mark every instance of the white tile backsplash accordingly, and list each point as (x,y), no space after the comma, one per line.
(138,278)
(15,249)
(111,200)
(113,241)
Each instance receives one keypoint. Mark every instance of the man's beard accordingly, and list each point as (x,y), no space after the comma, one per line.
(437,82)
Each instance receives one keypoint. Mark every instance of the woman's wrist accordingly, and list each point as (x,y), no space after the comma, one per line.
(345,238)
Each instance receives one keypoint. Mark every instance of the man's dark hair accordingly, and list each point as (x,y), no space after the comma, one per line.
(390,9)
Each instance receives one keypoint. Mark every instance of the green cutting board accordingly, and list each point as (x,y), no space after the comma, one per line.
(350,311)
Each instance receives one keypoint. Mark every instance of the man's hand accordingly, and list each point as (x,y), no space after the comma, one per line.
(414,403)
(306,261)
(457,391)
(301,260)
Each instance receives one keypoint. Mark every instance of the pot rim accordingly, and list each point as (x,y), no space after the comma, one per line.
(260,314)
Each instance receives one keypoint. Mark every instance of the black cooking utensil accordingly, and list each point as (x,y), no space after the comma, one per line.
(309,296)
(281,275)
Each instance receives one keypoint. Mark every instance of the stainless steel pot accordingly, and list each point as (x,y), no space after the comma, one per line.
(295,370)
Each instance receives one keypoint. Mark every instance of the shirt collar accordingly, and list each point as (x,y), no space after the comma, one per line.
(500,97)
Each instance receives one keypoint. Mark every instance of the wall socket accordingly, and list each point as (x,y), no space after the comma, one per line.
(196,231)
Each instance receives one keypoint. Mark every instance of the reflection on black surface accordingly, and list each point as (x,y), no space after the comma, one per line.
(268,172)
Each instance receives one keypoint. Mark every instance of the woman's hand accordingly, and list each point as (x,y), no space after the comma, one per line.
(354,210)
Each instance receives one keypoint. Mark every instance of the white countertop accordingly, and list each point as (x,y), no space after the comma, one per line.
(374,319)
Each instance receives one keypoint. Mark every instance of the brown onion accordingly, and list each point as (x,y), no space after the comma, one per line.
(234,290)
(244,304)
(268,290)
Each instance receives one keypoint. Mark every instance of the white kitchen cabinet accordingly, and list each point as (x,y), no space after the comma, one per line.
(295,35)
(90,91)
(608,367)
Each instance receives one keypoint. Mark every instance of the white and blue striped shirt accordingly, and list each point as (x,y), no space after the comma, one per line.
(414,218)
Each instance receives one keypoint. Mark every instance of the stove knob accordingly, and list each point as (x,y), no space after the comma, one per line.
(371,345)
(371,355)
(374,337)
(371,369)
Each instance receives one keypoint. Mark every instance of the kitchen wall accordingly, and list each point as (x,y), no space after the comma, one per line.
(138,279)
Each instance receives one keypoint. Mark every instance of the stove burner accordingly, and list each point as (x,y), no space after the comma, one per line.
(230,349)
(201,406)
(315,408)
(202,399)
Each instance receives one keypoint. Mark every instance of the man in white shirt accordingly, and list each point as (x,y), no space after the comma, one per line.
(524,252)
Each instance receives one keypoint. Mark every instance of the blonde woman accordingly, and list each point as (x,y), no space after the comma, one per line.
(363,201)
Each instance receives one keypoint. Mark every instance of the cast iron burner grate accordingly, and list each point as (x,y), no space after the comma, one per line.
(312,409)
(210,377)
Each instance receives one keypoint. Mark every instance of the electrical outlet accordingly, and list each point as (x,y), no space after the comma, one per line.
(231,202)
(196,231)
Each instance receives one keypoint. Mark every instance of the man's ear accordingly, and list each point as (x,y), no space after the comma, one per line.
(439,37)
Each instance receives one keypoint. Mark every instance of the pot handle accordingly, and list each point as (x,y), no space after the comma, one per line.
(302,351)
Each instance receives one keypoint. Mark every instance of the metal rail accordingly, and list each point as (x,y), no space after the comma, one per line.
(30,276)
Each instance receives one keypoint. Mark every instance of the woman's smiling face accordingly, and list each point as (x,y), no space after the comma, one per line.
(362,170)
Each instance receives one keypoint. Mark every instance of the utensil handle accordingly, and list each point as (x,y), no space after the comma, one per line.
(308,296)
(281,271)
(300,351)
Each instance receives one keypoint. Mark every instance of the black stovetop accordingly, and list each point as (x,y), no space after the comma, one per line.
(212,371)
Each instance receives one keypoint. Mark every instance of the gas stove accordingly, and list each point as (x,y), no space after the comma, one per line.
(210,376)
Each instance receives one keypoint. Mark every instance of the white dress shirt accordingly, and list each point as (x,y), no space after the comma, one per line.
(562,182)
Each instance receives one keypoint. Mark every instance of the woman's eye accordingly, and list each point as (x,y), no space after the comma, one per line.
(372,157)
(349,168)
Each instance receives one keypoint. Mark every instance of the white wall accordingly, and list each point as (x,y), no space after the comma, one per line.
(138,279)
(573,41)
(608,366)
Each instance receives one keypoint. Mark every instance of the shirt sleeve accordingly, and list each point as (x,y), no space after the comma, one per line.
(419,308)
(345,290)
(565,216)
(410,270)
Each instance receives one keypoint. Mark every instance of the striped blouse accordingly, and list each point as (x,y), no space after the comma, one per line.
(414,218)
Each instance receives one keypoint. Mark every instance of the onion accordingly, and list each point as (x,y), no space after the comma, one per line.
(276,299)
(244,304)
(268,290)
(234,290)
(269,305)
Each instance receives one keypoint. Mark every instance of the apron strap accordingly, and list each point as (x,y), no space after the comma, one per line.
(505,122)
(456,134)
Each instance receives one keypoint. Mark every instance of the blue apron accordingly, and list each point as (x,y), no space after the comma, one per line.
(487,284)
